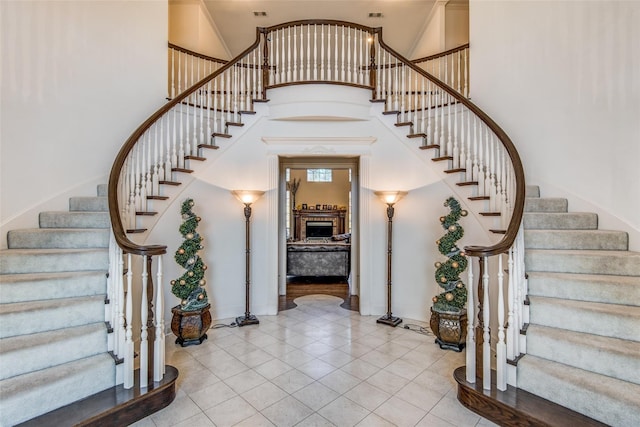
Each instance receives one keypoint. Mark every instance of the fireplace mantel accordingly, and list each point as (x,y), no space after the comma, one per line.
(301,216)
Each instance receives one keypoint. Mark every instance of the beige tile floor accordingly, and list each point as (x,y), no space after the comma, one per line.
(315,365)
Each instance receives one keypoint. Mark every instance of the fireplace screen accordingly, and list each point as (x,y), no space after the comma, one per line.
(319,229)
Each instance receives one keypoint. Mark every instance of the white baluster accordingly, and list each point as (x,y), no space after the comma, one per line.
(216,128)
(295,54)
(501,350)
(458,82)
(335,61)
(128,354)
(155,187)
(173,73)
(209,130)
(423,107)
(469,164)
(158,349)
(456,146)
(512,330)
(486,313)
(315,52)
(144,335)
(322,61)
(309,52)
(449,133)
(289,56)
(466,73)
(342,75)
(471,338)
(120,338)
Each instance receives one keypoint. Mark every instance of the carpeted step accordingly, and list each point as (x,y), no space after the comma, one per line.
(586,287)
(623,263)
(48,315)
(609,400)
(576,239)
(88,204)
(26,353)
(608,356)
(102,190)
(74,220)
(532,191)
(58,238)
(609,320)
(560,221)
(537,204)
(41,286)
(13,261)
(36,393)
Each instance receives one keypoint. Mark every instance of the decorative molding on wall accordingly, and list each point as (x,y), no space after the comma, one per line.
(324,146)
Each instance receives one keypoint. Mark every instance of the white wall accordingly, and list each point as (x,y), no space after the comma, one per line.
(77,78)
(191,27)
(561,78)
(392,162)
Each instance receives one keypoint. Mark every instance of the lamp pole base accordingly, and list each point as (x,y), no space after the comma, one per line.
(245,320)
(390,320)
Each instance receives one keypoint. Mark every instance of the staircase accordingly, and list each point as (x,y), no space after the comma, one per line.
(583,338)
(53,336)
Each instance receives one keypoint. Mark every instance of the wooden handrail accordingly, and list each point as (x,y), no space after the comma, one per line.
(318,22)
(441,54)
(518,206)
(196,54)
(116,222)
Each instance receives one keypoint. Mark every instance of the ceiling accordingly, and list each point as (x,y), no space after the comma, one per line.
(404,21)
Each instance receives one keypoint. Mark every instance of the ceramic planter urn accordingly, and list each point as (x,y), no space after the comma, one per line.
(450,329)
(190,327)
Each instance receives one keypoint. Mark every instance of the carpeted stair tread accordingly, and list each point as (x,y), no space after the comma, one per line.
(609,400)
(29,395)
(545,204)
(14,261)
(576,239)
(612,320)
(532,191)
(47,315)
(40,286)
(58,238)
(585,287)
(608,356)
(33,352)
(624,263)
(88,204)
(560,221)
(55,219)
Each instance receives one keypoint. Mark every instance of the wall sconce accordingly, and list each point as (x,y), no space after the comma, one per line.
(247,197)
(390,198)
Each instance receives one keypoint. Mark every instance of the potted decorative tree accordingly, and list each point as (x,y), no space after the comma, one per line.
(191,318)
(448,313)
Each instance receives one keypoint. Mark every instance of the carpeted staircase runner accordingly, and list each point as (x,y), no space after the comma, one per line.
(53,336)
(583,339)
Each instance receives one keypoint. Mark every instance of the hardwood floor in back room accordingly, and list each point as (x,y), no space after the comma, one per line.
(298,286)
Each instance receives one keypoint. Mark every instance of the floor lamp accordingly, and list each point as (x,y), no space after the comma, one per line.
(390,198)
(247,197)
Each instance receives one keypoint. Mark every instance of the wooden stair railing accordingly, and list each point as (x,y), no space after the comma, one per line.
(450,66)
(336,52)
(187,67)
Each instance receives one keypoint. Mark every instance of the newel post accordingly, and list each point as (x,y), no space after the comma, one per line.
(372,64)
(265,64)
(480,325)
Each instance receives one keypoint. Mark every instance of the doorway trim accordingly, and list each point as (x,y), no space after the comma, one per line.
(329,162)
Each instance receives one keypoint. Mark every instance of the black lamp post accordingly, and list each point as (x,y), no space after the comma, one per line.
(247,197)
(390,198)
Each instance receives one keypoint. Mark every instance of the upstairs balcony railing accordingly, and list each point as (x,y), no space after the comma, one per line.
(435,114)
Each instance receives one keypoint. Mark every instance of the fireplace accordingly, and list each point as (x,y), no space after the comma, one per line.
(319,229)
(318,224)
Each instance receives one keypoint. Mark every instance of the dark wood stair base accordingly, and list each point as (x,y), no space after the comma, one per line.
(114,406)
(515,407)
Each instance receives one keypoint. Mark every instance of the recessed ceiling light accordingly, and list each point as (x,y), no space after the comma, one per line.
(375,14)
(260,13)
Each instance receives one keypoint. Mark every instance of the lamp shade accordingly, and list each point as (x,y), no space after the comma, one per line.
(247,196)
(390,197)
